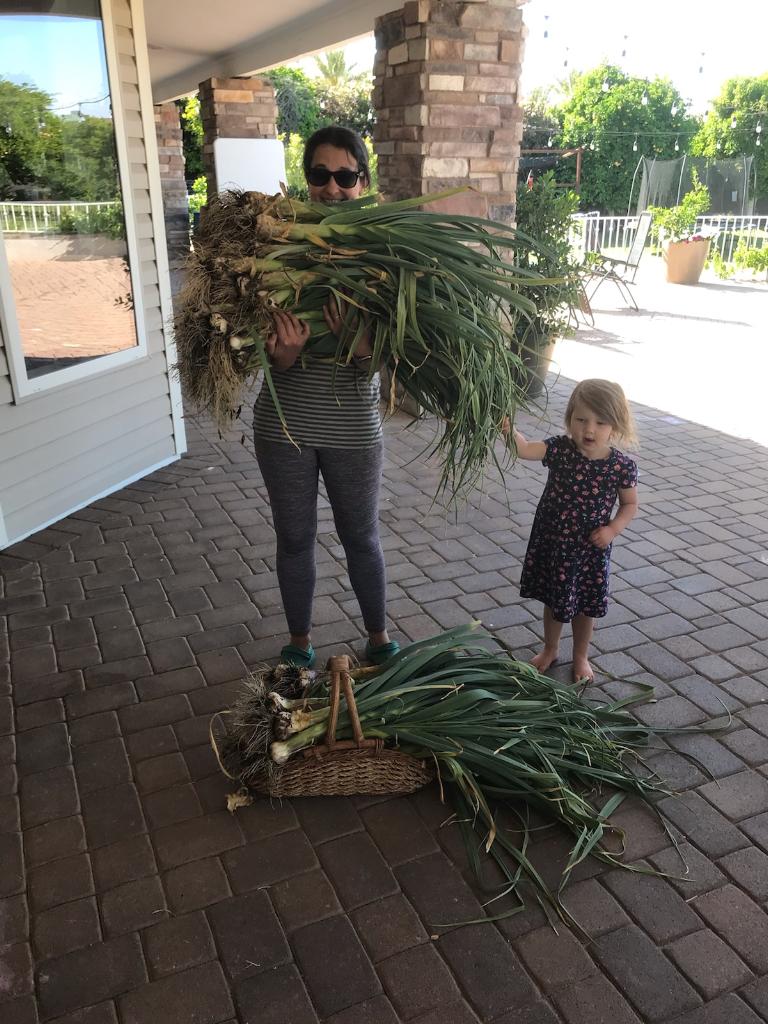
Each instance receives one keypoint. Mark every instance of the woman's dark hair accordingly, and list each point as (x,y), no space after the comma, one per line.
(341,138)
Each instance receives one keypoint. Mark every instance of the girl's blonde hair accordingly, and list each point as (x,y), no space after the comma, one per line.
(608,401)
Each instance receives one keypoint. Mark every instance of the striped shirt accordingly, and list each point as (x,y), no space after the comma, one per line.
(322,411)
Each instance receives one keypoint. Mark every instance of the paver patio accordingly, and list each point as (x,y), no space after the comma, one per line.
(129,890)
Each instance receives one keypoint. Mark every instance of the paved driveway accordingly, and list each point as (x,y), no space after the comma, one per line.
(130,894)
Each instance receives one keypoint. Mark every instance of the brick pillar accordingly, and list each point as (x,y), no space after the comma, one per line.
(235,108)
(446,97)
(174,186)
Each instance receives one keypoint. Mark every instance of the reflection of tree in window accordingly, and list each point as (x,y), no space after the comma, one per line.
(61,207)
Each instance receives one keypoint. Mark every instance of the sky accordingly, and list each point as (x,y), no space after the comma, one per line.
(61,56)
(664,38)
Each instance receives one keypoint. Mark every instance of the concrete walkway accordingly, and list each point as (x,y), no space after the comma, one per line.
(699,353)
(130,894)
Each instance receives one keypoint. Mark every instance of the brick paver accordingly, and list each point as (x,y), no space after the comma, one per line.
(129,893)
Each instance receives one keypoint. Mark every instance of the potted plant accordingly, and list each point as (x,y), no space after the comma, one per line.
(685,249)
(544,212)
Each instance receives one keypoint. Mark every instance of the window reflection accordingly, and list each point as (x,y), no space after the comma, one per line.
(61,211)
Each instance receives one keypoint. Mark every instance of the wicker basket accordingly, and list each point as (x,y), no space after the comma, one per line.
(346,767)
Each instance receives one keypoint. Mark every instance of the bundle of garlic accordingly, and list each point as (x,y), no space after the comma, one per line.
(504,736)
(438,295)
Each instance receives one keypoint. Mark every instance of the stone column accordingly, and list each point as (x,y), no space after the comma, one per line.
(446,98)
(235,108)
(174,186)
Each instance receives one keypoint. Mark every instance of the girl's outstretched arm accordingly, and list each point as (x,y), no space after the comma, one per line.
(533,450)
(605,535)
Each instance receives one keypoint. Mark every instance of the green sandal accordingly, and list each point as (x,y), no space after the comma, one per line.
(293,655)
(382,653)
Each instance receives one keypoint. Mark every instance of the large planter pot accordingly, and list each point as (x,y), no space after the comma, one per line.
(537,356)
(402,399)
(685,260)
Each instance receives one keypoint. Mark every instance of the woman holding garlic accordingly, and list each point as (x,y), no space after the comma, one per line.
(332,414)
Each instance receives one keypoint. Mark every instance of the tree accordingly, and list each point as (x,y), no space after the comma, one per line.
(606,112)
(29,132)
(45,156)
(298,109)
(541,122)
(730,128)
(191,137)
(349,107)
(343,95)
(334,72)
(84,166)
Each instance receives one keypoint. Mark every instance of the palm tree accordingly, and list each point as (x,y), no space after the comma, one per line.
(334,71)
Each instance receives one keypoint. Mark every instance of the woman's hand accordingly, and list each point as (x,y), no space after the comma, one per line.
(335,314)
(290,336)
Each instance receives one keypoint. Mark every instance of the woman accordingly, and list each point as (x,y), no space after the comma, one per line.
(332,413)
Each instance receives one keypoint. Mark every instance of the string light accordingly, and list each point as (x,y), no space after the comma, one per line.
(606,86)
(644,98)
(565,62)
(546,26)
(701,66)
(738,123)
(650,133)
(624,51)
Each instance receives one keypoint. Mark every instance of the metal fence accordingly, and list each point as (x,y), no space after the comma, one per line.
(591,232)
(46,218)
(732,230)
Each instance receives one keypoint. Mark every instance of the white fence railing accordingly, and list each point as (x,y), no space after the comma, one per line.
(591,232)
(732,230)
(46,218)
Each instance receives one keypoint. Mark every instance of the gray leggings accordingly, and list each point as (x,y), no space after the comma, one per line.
(352,479)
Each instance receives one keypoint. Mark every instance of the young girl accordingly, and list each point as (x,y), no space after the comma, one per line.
(569,554)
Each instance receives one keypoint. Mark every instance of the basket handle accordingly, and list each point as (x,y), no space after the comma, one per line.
(339,666)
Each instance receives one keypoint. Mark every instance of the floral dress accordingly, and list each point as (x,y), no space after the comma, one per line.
(562,567)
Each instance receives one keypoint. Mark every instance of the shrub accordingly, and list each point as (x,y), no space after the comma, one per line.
(96,220)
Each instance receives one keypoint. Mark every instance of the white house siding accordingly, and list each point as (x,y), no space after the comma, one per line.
(5,381)
(64,447)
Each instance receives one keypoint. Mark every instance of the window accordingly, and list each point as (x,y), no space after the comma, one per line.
(69,291)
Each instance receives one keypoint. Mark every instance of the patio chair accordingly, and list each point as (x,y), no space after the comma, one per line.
(622,272)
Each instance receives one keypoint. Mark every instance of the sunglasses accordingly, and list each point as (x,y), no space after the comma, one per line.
(344,178)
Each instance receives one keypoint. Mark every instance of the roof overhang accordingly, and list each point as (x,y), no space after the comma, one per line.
(192,40)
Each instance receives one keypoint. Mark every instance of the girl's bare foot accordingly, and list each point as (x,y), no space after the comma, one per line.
(544,659)
(582,671)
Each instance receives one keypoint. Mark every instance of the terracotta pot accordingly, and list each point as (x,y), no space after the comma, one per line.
(685,260)
(402,399)
(537,357)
